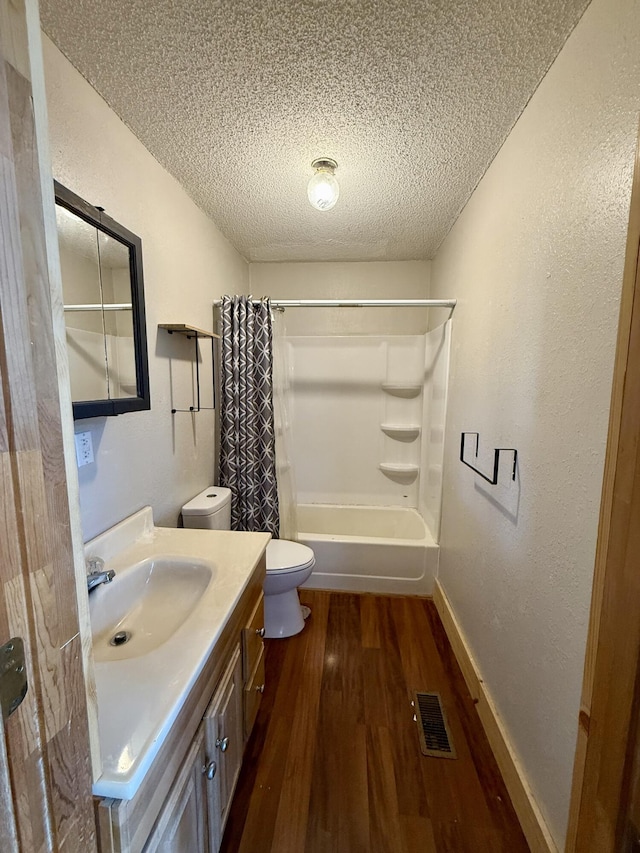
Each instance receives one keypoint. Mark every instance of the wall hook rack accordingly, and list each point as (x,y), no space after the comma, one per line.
(191,332)
(496,459)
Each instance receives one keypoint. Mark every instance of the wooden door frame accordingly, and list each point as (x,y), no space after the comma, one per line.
(55,310)
(45,772)
(606,719)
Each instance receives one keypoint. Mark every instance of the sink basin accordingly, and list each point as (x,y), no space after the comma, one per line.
(145,604)
(174,590)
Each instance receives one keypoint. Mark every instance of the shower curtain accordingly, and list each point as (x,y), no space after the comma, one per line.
(282,375)
(247,433)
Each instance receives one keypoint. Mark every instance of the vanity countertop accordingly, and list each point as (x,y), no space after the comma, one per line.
(140,697)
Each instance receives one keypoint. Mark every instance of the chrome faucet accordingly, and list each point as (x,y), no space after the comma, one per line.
(96,573)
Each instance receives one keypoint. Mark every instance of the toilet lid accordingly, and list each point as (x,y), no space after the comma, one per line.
(286,556)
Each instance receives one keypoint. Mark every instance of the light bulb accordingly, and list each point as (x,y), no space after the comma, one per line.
(323,189)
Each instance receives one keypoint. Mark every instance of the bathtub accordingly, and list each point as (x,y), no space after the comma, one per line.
(369,548)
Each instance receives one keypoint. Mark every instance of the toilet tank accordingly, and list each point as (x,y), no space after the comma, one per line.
(210,510)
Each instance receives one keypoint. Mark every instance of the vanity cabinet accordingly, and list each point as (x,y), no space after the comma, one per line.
(183,802)
(253,666)
(181,825)
(194,813)
(224,739)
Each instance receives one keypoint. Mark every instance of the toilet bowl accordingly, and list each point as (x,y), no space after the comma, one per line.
(289,564)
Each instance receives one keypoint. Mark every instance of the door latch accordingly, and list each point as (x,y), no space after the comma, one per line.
(13,676)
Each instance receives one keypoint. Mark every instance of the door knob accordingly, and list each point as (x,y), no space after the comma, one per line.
(222,743)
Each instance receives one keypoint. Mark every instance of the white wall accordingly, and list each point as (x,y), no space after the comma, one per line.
(535,261)
(342,280)
(144,457)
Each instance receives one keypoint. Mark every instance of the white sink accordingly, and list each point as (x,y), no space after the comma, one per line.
(145,604)
(174,590)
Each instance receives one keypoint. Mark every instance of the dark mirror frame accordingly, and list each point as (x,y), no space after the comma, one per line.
(98,218)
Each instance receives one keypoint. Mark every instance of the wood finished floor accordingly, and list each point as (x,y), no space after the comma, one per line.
(334,763)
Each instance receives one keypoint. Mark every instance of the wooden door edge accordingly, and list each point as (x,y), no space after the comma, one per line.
(602,571)
(37,77)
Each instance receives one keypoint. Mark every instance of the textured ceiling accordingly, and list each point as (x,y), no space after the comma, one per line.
(235,98)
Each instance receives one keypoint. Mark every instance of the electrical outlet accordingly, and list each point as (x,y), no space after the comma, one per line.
(84,449)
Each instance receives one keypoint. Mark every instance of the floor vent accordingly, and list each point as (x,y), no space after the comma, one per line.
(435,739)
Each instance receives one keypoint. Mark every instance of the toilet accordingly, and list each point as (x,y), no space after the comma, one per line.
(289,564)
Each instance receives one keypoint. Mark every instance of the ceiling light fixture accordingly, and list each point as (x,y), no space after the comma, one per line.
(323,189)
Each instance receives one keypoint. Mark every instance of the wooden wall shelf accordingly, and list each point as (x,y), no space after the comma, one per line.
(192,332)
(188,331)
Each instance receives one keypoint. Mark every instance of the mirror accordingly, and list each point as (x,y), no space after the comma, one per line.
(101,263)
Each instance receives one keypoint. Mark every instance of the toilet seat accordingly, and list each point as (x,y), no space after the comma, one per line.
(284,556)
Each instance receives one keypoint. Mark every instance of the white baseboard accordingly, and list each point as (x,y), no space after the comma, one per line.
(533,824)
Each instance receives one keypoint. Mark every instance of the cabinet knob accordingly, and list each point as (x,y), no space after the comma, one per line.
(260,632)
(260,688)
(222,743)
(209,769)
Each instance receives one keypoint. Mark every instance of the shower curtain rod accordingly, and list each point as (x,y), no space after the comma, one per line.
(361,303)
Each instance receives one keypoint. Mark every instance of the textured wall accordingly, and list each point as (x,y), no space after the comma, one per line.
(536,261)
(335,280)
(143,457)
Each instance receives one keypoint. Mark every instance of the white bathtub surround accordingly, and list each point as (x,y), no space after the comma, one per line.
(536,262)
(361,418)
(369,549)
(434,412)
(140,697)
(366,448)
(346,390)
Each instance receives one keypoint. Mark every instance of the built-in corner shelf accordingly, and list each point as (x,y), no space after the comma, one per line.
(402,389)
(401,432)
(399,470)
(192,332)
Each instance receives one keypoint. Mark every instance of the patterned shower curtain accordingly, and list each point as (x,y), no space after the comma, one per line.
(247,435)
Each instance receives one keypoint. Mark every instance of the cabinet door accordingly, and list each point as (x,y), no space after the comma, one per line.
(253,695)
(224,744)
(182,823)
(252,644)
